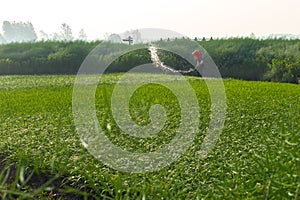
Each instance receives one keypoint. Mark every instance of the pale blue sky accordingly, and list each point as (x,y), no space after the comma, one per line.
(218,18)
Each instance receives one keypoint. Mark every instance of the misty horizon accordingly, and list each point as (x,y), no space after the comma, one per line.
(30,33)
(194,18)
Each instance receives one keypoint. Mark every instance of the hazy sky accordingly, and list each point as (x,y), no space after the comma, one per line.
(218,18)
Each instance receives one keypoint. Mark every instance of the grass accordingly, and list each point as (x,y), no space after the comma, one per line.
(256,157)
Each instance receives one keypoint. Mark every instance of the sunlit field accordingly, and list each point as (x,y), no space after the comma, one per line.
(256,157)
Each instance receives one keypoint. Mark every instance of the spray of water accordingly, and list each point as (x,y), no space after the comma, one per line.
(155,59)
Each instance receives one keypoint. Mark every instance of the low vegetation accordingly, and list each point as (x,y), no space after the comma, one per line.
(256,157)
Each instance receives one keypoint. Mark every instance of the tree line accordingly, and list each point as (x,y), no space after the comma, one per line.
(240,58)
(254,59)
(25,32)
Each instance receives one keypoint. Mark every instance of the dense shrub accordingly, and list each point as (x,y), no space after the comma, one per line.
(250,59)
(241,58)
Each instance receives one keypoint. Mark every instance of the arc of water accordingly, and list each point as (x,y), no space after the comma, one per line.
(158,63)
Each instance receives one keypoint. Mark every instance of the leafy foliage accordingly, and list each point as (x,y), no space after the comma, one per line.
(240,58)
(252,59)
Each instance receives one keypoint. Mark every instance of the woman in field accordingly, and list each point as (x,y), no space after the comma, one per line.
(200,63)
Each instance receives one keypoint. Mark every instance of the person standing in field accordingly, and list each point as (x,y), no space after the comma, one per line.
(200,62)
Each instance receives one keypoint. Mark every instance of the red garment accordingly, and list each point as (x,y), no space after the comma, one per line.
(198,55)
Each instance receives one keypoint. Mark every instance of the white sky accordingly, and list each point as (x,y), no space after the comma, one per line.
(217,18)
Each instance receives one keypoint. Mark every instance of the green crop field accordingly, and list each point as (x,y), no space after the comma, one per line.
(256,157)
